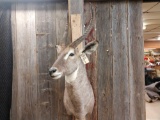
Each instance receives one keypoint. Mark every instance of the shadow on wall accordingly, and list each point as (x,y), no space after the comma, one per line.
(5,62)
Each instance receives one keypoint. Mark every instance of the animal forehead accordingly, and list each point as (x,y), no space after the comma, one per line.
(66,52)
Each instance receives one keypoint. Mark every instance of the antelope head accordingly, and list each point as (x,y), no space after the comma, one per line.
(69,59)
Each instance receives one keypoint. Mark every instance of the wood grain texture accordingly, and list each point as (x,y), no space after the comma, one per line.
(26,65)
(136,67)
(105,64)
(36,30)
(120,61)
(120,65)
(42,33)
(75,11)
(115,71)
(76,27)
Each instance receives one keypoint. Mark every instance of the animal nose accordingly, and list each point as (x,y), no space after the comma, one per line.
(52,70)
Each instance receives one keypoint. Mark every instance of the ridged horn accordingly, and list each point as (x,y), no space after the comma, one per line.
(81,38)
(65,35)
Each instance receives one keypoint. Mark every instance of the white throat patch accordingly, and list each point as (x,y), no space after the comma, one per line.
(72,77)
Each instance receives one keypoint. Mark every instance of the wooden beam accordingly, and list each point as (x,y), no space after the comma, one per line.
(76,18)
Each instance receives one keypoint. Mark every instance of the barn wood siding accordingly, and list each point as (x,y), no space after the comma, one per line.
(120,61)
(115,70)
(36,31)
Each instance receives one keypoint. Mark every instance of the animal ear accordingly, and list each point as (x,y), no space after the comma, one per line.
(59,48)
(90,47)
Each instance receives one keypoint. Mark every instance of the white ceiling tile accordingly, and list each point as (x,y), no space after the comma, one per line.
(150,21)
(155,15)
(152,26)
(155,8)
(150,36)
(147,6)
(156,30)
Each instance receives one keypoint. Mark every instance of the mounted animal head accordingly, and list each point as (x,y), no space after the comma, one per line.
(69,57)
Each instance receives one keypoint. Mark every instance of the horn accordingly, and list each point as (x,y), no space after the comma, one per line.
(65,35)
(81,38)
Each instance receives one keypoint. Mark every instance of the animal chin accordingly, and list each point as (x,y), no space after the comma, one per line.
(57,76)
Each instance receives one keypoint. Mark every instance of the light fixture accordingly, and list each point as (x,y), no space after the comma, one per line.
(158,37)
(144,26)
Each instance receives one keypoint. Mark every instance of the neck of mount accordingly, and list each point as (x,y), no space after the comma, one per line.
(78,75)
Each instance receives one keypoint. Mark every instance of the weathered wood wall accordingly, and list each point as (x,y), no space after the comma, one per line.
(37,28)
(120,61)
(115,71)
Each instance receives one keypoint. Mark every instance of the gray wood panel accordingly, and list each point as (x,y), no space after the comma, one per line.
(120,61)
(105,64)
(120,69)
(26,65)
(36,31)
(136,65)
(42,33)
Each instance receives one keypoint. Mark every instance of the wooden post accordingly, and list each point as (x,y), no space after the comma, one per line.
(76,18)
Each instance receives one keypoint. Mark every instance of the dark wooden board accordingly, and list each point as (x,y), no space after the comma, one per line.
(104,63)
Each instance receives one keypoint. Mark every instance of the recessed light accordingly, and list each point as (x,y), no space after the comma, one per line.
(144,27)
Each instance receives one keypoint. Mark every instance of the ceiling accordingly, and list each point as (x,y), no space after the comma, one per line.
(151,21)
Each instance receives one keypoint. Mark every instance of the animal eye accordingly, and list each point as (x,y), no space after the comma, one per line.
(72,54)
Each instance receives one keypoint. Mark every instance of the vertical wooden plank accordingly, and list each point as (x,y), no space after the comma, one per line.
(26,64)
(76,18)
(51,57)
(136,68)
(76,26)
(42,33)
(105,64)
(91,67)
(120,61)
